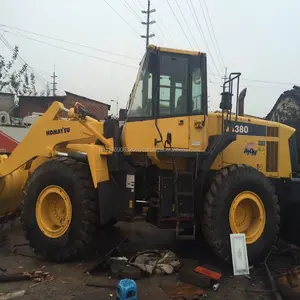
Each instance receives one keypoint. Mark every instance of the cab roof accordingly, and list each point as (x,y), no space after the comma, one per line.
(173,50)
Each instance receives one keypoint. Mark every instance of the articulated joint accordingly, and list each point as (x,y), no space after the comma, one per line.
(87,122)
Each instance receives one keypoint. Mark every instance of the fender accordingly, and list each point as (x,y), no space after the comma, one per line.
(97,160)
(217,145)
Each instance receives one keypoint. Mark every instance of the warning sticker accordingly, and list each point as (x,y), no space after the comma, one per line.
(130,181)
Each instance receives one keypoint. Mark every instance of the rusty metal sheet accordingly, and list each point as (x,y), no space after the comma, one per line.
(183,290)
(289,284)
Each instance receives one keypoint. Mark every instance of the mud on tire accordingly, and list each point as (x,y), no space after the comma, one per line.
(227,184)
(75,178)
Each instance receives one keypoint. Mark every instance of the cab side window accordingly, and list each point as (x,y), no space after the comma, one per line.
(196,91)
(173,86)
(142,104)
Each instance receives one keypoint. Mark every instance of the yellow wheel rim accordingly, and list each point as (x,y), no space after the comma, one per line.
(247,215)
(53,211)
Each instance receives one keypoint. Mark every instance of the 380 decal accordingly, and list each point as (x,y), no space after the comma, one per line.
(241,129)
(244,128)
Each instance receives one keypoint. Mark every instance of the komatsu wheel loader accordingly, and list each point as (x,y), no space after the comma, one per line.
(217,173)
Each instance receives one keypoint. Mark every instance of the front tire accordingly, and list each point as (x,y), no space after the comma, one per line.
(241,200)
(60,212)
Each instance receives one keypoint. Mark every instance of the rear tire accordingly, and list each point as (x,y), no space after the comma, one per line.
(227,185)
(75,180)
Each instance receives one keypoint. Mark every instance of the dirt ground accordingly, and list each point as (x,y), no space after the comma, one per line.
(70,280)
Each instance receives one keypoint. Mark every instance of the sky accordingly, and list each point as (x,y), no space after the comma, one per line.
(260,39)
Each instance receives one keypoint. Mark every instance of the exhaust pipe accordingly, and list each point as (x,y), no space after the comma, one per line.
(241,101)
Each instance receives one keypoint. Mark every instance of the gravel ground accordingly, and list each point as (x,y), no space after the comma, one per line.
(70,281)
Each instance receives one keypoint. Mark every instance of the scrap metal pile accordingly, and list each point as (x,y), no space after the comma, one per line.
(287,111)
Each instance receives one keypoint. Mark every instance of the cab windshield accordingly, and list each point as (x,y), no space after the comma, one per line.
(141,96)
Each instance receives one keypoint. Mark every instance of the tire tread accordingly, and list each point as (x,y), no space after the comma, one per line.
(81,246)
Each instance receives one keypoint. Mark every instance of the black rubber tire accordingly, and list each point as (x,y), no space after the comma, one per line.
(111,223)
(227,184)
(75,178)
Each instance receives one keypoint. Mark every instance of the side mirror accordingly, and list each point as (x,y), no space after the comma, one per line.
(226,101)
(169,138)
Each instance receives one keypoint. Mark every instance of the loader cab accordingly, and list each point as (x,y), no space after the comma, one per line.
(169,95)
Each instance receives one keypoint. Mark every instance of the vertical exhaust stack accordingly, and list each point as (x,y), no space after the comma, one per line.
(241,101)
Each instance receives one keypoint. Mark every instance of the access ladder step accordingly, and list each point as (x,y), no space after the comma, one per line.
(188,194)
(185,173)
(188,231)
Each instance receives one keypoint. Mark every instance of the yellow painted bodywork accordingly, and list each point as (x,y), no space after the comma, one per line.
(53,211)
(234,154)
(11,191)
(173,50)
(193,135)
(247,215)
(139,136)
(49,135)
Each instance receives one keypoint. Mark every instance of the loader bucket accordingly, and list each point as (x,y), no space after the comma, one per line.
(11,189)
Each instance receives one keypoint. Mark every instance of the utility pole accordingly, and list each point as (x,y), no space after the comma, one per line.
(225,76)
(148,23)
(54,83)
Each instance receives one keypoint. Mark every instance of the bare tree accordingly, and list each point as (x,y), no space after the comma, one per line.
(19,82)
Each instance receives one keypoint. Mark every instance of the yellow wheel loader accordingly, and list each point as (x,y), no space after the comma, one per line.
(216,173)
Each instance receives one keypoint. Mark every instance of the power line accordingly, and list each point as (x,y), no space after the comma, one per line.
(184,18)
(160,20)
(158,39)
(69,42)
(165,28)
(138,7)
(210,35)
(268,82)
(208,67)
(73,51)
(262,80)
(131,10)
(202,34)
(256,86)
(213,31)
(138,3)
(179,24)
(159,28)
(11,48)
(122,17)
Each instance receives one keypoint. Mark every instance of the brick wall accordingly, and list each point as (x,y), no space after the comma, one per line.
(29,104)
(99,109)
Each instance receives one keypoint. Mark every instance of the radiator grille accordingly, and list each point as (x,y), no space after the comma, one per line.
(272,157)
(272,131)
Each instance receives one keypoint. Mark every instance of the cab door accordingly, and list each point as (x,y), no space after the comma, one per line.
(172,105)
(198,120)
